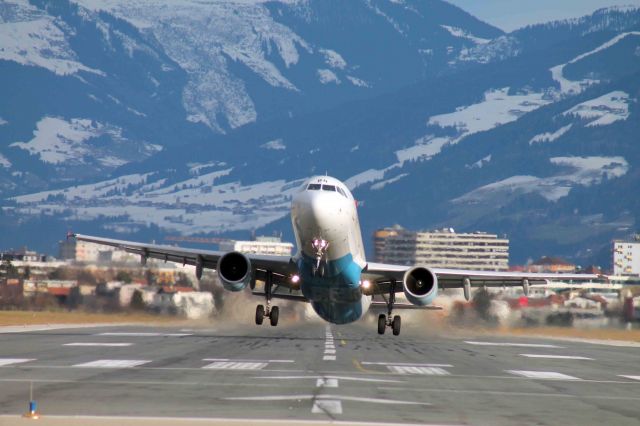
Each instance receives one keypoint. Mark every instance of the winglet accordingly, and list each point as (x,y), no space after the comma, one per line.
(70,235)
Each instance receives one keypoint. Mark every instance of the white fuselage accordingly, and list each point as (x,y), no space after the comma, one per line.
(330,251)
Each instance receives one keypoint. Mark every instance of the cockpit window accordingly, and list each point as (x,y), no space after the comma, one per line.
(313,187)
(328,188)
(342,192)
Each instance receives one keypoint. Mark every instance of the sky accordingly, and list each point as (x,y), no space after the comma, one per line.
(509,15)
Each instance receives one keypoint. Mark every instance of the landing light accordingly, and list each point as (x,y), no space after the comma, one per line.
(295,279)
(365,284)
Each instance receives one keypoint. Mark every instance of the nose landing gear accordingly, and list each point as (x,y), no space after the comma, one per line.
(273,313)
(385,321)
(320,247)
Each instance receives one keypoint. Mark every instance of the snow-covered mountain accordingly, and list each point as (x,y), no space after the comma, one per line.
(142,118)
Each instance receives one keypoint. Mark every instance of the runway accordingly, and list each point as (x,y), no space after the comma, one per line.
(314,372)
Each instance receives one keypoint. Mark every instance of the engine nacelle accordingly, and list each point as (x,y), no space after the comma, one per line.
(234,270)
(420,286)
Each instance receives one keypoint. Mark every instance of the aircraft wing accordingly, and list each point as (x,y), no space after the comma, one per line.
(279,265)
(382,274)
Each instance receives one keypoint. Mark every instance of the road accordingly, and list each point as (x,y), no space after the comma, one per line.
(314,372)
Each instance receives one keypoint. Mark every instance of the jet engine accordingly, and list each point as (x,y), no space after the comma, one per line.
(420,286)
(234,270)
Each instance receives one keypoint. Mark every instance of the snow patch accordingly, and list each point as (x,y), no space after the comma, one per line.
(357,82)
(191,206)
(327,76)
(57,141)
(4,162)
(480,163)
(550,137)
(604,110)
(30,37)
(583,171)
(425,148)
(569,87)
(498,108)
(333,59)
(382,184)
(499,49)
(203,37)
(275,144)
(460,33)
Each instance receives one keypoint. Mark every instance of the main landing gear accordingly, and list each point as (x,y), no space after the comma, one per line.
(385,321)
(270,312)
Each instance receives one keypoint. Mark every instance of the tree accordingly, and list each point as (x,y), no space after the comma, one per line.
(123,276)
(8,270)
(137,302)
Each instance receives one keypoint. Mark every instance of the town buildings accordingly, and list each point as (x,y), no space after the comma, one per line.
(626,257)
(443,248)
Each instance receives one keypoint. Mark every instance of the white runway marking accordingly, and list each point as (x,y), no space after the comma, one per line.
(428,371)
(221,365)
(631,377)
(326,383)
(113,363)
(355,379)
(551,375)
(522,345)
(10,361)
(555,356)
(329,346)
(98,344)
(212,420)
(123,334)
(328,406)
(417,364)
(267,398)
(250,360)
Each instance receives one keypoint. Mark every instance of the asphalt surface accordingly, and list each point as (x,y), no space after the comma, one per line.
(313,372)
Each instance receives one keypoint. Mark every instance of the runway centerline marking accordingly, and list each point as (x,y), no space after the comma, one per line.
(113,363)
(427,371)
(518,345)
(547,375)
(549,356)
(97,344)
(327,406)
(10,361)
(329,346)
(225,365)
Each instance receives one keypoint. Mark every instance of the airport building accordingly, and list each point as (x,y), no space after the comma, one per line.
(626,258)
(442,249)
(261,245)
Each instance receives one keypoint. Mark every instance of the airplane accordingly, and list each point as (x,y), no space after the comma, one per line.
(329,269)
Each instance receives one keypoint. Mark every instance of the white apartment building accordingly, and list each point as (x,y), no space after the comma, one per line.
(442,249)
(261,245)
(626,258)
(83,251)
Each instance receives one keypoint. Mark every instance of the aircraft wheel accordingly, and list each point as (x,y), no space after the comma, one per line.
(273,316)
(259,314)
(382,323)
(395,325)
